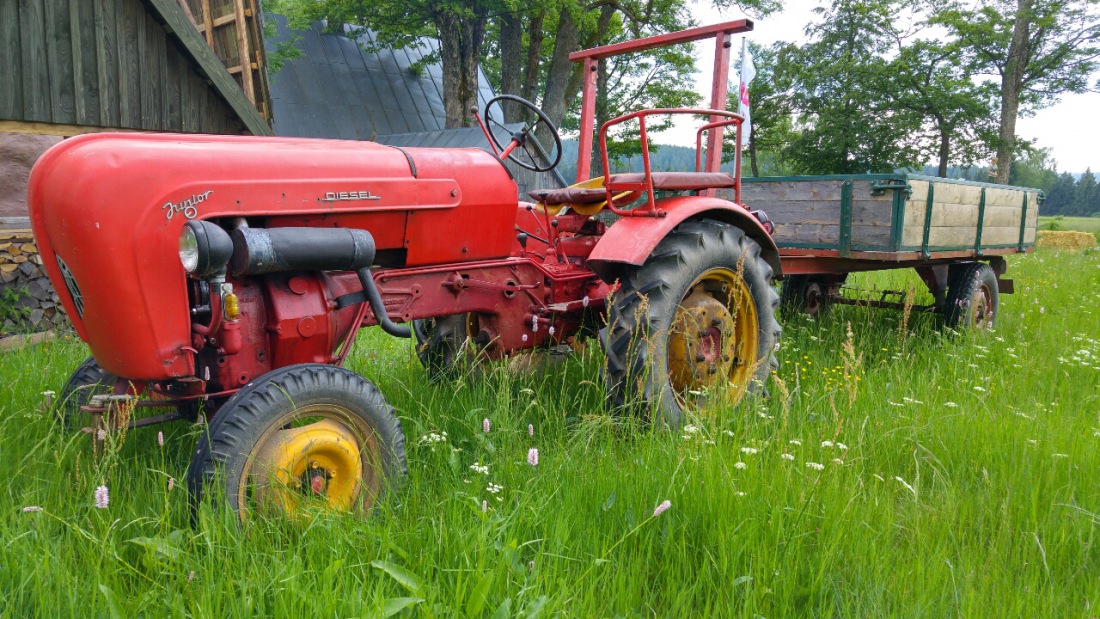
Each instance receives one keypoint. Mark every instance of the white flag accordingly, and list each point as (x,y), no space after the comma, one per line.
(748,71)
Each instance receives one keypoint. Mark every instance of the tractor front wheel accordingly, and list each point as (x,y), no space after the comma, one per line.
(87,380)
(693,328)
(300,438)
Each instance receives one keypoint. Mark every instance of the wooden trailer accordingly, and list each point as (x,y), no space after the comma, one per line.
(954,233)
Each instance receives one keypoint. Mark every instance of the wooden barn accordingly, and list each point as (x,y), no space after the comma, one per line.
(69,67)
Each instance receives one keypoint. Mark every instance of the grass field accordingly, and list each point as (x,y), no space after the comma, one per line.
(896,471)
(1079,224)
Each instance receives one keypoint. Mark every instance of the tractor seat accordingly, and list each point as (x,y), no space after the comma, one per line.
(568,195)
(676,181)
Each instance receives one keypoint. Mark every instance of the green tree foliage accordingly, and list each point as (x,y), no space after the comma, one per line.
(1036,49)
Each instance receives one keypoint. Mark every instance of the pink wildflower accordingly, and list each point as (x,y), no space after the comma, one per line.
(533,457)
(484,506)
(171,483)
(101,435)
(31,508)
(102,498)
(485,425)
(160,439)
(662,508)
(530,429)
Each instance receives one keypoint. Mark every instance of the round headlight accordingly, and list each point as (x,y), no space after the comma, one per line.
(205,248)
(189,250)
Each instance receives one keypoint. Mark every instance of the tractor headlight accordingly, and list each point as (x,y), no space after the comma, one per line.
(205,248)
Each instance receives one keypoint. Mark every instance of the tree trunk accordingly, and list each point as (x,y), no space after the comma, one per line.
(945,149)
(534,57)
(557,78)
(1011,82)
(511,58)
(460,40)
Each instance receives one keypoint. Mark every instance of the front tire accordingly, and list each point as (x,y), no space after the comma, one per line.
(87,380)
(300,437)
(694,325)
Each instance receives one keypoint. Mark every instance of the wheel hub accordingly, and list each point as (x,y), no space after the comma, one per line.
(319,461)
(980,303)
(714,338)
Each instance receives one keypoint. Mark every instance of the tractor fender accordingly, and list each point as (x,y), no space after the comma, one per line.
(631,240)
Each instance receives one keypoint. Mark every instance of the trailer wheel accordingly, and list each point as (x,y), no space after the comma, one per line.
(443,346)
(302,437)
(804,294)
(694,324)
(973,299)
(87,380)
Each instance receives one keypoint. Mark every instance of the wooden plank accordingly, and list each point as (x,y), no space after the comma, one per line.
(106,33)
(807,233)
(36,85)
(208,24)
(11,62)
(174,67)
(129,66)
(85,59)
(145,71)
(189,114)
(243,50)
(19,126)
(159,49)
(870,236)
(793,190)
(59,63)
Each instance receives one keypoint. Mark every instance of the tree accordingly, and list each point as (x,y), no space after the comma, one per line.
(1086,200)
(933,83)
(771,127)
(1061,196)
(1039,49)
(847,118)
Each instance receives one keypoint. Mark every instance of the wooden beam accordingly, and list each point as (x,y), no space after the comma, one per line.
(187,12)
(211,66)
(208,21)
(19,126)
(243,52)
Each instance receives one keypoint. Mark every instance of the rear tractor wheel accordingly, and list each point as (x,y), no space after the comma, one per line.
(973,297)
(299,438)
(804,294)
(694,327)
(444,345)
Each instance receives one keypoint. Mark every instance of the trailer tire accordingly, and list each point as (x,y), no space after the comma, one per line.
(708,278)
(443,346)
(804,294)
(264,451)
(973,300)
(87,380)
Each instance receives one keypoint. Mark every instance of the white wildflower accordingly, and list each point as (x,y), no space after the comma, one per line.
(787,456)
(740,465)
(815,466)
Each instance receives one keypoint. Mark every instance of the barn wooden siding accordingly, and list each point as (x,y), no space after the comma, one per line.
(69,67)
(234,30)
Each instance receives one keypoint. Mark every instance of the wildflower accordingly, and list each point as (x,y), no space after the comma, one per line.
(739,493)
(729,433)
(191,576)
(432,438)
(827,444)
(31,509)
(530,429)
(477,467)
(533,456)
(795,442)
(815,466)
(662,508)
(102,498)
(979,389)
(493,488)
(1060,455)
(485,425)
(950,405)
(787,456)
(523,338)
(740,465)
(535,323)
(101,435)
(530,566)
(160,439)
(484,506)
(690,429)
(1042,310)
(171,483)
(838,461)
(551,331)
(750,450)
(584,301)
(842,446)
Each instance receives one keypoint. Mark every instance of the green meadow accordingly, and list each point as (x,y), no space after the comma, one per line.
(896,470)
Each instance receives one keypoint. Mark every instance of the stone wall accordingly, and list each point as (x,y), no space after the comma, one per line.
(27,301)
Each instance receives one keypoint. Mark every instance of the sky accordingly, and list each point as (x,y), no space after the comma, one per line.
(1071,128)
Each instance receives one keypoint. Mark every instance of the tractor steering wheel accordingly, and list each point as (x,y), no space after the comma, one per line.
(524,111)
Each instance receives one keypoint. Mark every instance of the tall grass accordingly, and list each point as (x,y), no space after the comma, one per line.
(896,471)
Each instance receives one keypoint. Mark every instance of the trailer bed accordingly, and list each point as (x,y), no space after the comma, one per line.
(860,220)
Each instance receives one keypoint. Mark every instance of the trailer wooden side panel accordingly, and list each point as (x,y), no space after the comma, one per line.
(895,213)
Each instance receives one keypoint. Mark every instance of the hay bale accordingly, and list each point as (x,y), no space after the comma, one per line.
(1065,239)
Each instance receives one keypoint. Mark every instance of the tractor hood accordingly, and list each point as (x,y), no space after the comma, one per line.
(107,211)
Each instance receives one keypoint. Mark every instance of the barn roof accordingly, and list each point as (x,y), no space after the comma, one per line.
(338,89)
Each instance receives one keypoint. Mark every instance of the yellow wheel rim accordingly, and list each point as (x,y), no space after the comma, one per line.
(714,342)
(319,456)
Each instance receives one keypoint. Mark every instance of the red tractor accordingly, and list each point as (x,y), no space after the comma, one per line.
(228,276)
